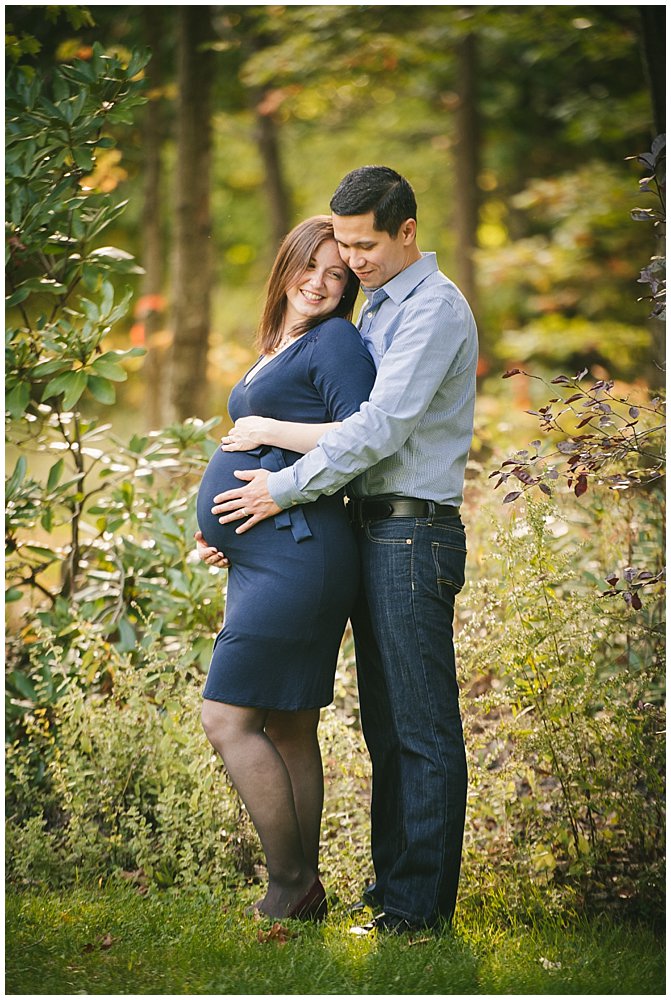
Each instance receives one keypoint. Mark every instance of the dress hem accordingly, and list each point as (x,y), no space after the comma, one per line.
(269,708)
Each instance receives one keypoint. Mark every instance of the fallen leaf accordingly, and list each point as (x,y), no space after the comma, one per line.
(277,933)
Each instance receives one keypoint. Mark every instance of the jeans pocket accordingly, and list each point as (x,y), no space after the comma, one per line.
(391,531)
(450,564)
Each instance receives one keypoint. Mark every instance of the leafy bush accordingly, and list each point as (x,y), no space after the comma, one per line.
(98,531)
(123,781)
(654,183)
(597,435)
(561,289)
(129,783)
(568,725)
(616,442)
(565,719)
(564,729)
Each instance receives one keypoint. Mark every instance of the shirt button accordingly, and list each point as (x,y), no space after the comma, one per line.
(369,315)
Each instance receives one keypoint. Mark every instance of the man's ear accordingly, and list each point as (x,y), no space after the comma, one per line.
(408,231)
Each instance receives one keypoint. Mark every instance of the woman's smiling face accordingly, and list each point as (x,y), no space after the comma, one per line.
(320,288)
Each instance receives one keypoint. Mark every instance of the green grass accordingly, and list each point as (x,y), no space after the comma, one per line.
(117,941)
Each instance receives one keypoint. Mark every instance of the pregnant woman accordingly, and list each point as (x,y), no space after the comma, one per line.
(293,580)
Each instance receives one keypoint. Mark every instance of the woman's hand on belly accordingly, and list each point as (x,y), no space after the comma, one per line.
(208,554)
(250,432)
(247,433)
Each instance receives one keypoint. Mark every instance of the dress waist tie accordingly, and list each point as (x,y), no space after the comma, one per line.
(273,460)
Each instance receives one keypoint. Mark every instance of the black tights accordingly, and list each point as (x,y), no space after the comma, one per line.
(274,761)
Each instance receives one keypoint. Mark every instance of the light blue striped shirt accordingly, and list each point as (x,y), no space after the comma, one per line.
(411,438)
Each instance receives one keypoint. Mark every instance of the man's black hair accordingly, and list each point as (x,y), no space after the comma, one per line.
(379,190)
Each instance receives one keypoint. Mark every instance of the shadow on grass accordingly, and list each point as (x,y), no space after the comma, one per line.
(118,942)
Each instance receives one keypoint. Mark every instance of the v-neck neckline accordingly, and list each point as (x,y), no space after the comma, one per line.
(257,367)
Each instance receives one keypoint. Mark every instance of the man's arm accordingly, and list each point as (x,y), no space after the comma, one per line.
(425,348)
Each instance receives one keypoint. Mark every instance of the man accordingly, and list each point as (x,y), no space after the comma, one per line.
(403,455)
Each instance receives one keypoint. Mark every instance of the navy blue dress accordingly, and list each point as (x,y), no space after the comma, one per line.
(293,578)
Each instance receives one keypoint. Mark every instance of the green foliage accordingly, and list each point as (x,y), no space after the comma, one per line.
(98,527)
(563,287)
(115,775)
(599,437)
(563,719)
(159,804)
(136,579)
(61,301)
(565,724)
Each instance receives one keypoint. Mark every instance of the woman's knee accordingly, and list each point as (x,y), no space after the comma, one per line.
(211,722)
(225,723)
(292,727)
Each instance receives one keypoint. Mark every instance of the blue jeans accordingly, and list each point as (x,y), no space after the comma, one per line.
(412,570)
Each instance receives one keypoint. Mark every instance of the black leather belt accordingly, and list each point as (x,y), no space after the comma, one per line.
(379,508)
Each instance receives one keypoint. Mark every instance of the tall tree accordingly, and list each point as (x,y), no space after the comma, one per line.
(653,24)
(267,137)
(192,235)
(151,306)
(466,167)
(246,33)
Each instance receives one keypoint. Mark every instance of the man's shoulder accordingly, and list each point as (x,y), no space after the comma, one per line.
(438,283)
(439,293)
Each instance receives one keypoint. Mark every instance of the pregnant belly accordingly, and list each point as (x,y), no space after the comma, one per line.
(217,478)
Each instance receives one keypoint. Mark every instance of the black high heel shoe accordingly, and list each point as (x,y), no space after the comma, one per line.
(312,906)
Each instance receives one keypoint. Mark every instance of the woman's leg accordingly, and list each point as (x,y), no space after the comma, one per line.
(262,780)
(295,737)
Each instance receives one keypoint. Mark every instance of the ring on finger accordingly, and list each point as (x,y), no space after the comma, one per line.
(243,512)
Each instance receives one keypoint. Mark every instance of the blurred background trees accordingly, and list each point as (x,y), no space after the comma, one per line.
(512,123)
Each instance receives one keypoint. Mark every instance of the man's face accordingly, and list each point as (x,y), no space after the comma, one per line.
(373,255)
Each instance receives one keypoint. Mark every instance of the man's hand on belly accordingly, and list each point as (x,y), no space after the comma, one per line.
(252,501)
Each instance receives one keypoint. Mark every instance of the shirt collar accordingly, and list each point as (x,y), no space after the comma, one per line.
(402,284)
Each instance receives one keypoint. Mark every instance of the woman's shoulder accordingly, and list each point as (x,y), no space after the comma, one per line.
(337,348)
(335,332)
(335,325)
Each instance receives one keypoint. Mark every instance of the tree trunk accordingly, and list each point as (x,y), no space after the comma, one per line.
(278,197)
(653,21)
(466,168)
(151,306)
(192,238)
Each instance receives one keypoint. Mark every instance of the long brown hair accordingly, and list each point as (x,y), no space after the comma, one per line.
(295,253)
